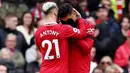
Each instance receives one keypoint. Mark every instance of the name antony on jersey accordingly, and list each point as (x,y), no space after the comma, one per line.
(49,32)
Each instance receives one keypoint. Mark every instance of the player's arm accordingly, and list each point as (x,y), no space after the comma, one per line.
(71,32)
(85,45)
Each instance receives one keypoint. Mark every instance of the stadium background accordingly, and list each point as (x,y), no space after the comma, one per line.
(110,17)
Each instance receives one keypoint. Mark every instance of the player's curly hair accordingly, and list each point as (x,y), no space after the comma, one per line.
(64,10)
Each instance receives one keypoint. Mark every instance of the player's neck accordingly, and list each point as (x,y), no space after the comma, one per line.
(49,20)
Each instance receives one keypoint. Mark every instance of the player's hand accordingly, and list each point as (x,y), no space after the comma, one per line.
(78,14)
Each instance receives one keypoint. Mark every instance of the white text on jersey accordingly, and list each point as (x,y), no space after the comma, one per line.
(49,32)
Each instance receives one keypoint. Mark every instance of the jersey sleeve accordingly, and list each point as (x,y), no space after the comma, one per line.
(71,32)
(85,45)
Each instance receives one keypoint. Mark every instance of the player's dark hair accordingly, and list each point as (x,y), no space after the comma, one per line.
(65,10)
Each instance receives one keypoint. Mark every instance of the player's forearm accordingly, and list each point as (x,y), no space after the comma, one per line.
(86,45)
(81,26)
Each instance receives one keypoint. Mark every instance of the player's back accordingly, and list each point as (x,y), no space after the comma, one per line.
(78,62)
(54,48)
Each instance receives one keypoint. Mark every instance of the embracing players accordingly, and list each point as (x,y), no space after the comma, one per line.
(52,39)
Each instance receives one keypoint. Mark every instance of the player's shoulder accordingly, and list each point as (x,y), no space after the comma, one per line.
(63,26)
(66,26)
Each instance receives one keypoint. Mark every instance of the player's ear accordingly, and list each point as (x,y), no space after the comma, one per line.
(55,12)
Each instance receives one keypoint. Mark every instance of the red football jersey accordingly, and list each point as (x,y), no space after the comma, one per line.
(79,55)
(52,41)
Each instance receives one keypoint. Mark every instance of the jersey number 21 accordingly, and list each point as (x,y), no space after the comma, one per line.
(50,43)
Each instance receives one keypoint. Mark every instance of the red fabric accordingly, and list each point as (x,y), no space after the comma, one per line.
(119,8)
(122,55)
(98,21)
(128,33)
(79,55)
(57,65)
(34,13)
(92,29)
(86,10)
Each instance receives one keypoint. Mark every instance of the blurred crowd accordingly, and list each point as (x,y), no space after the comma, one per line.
(19,19)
